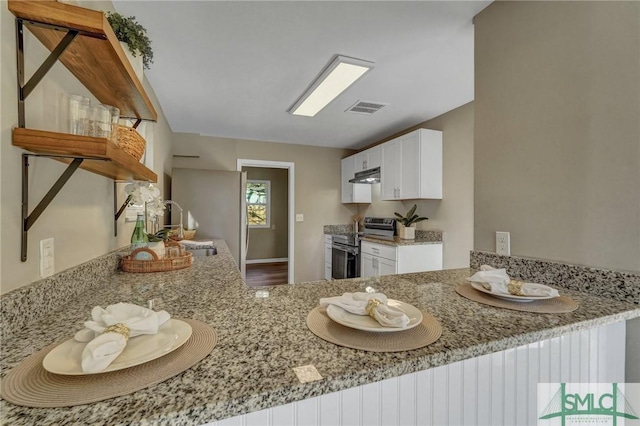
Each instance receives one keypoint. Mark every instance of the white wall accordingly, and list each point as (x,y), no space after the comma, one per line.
(80,218)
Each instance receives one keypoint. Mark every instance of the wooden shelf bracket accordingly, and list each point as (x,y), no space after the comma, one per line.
(29,219)
(24,90)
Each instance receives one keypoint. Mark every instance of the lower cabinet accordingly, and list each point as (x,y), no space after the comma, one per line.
(381,259)
(327,257)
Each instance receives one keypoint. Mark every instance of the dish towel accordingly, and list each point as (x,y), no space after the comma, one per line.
(109,329)
(372,304)
(497,281)
(196,243)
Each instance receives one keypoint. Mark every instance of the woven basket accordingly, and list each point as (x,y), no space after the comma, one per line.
(130,141)
(187,234)
(131,264)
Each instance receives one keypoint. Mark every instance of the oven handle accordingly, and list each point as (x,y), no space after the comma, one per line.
(352,250)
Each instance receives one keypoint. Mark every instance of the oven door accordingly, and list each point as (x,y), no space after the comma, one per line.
(344,261)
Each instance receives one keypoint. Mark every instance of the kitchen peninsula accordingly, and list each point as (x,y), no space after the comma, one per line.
(260,340)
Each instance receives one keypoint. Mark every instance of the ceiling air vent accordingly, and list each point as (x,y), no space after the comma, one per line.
(366,107)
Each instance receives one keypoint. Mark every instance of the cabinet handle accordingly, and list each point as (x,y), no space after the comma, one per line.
(364,164)
(375,250)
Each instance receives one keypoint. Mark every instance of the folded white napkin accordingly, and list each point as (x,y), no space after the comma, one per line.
(359,304)
(497,281)
(109,330)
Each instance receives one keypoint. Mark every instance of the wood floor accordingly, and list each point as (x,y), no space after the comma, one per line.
(259,274)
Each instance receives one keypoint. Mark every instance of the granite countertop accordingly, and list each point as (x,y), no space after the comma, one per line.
(262,339)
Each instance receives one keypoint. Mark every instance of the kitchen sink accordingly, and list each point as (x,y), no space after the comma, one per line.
(203,252)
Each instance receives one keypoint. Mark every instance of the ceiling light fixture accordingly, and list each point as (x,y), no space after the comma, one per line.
(341,73)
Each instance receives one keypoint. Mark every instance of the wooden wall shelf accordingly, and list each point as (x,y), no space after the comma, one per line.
(118,166)
(95,57)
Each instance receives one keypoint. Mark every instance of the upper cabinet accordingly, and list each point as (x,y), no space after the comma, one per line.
(369,159)
(412,166)
(353,192)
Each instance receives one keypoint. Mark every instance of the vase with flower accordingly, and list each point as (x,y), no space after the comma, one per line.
(146,195)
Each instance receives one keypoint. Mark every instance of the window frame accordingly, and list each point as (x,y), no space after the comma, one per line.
(267,204)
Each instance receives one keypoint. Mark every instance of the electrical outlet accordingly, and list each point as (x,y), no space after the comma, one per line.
(299,217)
(46,257)
(503,243)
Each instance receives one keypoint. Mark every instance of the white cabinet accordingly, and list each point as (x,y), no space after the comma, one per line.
(369,159)
(412,166)
(327,257)
(382,259)
(390,170)
(353,192)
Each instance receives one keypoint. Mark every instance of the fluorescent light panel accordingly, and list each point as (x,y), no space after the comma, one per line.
(341,73)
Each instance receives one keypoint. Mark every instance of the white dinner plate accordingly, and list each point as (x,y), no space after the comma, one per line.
(366,323)
(66,358)
(510,297)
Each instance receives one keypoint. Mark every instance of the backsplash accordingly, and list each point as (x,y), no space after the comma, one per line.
(348,229)
(338,229)
(602,282)
(29,303)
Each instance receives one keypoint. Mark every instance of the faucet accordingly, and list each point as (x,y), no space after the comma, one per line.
(173,203)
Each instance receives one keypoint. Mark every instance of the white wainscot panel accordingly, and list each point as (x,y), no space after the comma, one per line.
(495,389)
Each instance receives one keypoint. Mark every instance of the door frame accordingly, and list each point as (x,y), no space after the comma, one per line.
(290,207)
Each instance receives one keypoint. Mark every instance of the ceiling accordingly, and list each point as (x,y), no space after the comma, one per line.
(233,68)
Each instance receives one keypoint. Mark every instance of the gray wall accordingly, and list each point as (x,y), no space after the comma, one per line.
(317,186)
(557,134)
(557,140)
(271,243)
(454,213)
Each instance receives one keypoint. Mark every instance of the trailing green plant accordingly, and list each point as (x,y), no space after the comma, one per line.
(410,218)
(129,31)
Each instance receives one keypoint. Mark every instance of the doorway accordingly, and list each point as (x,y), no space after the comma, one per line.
(267,234)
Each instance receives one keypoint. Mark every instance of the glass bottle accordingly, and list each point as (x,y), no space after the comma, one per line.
(139,237)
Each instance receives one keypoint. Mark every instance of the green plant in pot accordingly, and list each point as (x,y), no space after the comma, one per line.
(406,224)
(157,240)
(129,31)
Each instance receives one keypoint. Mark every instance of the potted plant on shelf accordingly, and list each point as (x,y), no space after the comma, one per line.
(406,224)
(138,46)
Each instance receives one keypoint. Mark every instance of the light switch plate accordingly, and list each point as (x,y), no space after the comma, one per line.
(299,217)
(46,257)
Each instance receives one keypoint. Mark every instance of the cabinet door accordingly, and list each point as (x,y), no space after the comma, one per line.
(361,161)
(385,266)
(375,157)
(410,166)
(347,173)
(367,265)
(390,172)
(430,164)
(327,253)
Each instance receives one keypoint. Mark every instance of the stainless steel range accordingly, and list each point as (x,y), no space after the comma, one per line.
(380,227)
(345,249)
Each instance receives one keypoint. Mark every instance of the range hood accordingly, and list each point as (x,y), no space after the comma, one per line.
(370,176)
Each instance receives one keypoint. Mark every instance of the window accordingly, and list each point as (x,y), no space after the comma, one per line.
(258,203)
